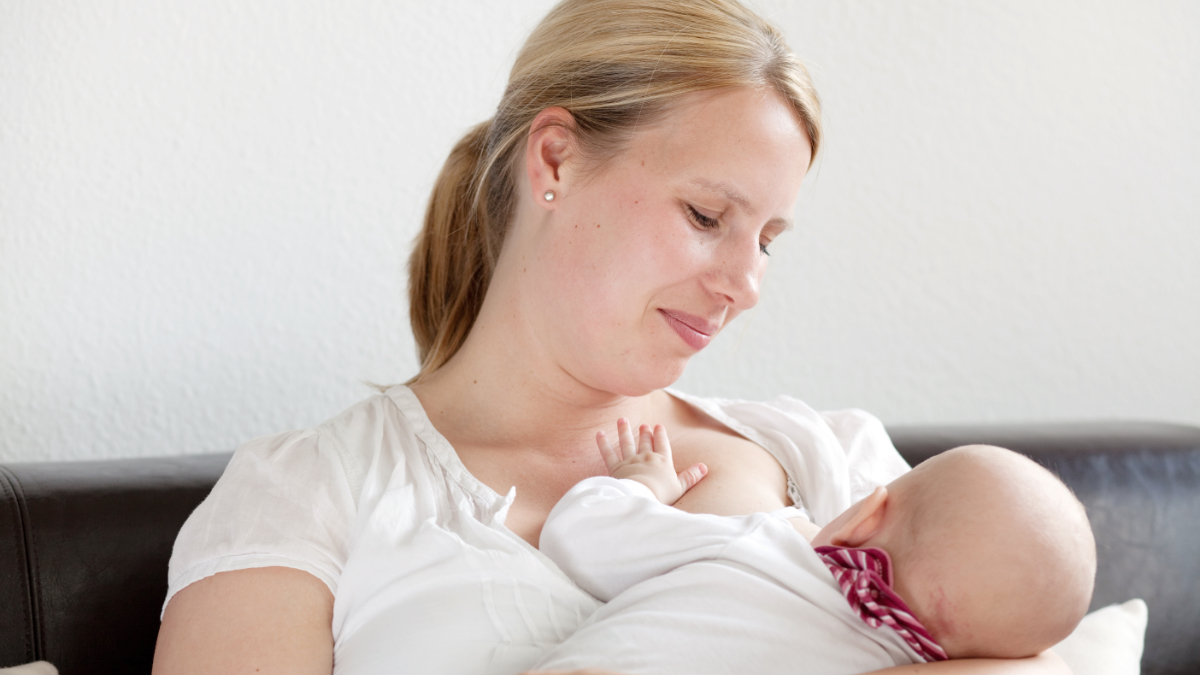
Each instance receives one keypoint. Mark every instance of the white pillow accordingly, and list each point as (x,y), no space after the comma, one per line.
(35,668)
(1107,642)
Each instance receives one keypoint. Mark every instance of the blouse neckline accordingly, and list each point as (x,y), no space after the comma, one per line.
(444,453)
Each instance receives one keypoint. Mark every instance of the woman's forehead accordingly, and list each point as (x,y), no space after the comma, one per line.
(726,122)
(745,146)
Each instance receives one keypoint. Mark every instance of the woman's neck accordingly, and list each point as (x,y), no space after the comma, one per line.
(508,400)
(507,386)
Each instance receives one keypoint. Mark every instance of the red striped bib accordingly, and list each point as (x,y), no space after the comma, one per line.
(865,575)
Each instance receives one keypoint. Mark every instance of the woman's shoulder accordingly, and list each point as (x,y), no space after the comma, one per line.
(391,406)
(369,437)
(304,488)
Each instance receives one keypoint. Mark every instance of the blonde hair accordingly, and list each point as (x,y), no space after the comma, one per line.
(613,64)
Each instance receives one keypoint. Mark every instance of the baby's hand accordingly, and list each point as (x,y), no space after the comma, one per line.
(649,462)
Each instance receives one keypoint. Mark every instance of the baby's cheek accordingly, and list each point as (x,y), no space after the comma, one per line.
(949,623)
(935,617)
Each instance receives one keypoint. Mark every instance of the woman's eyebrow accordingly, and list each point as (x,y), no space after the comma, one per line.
(732,194)
(724,189)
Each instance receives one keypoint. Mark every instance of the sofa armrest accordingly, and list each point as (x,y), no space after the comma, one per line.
(83,557)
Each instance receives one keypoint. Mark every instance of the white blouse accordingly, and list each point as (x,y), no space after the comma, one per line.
(425,576)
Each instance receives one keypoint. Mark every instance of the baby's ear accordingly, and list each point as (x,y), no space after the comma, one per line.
(865,519)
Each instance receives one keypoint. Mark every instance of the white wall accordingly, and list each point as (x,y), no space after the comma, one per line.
(206,208)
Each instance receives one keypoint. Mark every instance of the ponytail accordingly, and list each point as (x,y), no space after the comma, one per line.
(452,262)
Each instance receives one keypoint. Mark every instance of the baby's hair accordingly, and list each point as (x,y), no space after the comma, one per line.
(614,65)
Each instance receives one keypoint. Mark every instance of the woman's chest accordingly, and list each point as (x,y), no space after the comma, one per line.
(742,477)
(539,479)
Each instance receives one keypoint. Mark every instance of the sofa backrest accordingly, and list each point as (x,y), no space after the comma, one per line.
(1141,486)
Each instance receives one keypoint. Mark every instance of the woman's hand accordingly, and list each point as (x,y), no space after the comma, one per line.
(648,462)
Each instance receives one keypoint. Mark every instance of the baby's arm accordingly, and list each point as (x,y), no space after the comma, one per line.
(649,462)
(609,534)
(807,528)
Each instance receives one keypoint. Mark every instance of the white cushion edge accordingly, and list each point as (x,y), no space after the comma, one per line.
(1108,641)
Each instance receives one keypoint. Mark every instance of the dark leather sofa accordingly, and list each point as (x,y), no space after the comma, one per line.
(84,545)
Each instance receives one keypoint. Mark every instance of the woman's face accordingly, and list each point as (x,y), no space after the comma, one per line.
(645,259)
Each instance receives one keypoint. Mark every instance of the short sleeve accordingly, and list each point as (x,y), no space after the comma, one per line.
(284,500)
(871,458)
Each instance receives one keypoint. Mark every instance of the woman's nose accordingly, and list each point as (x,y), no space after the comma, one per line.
(737,272)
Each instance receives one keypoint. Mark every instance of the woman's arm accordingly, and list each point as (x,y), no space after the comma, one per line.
(263,621)
(1046,663)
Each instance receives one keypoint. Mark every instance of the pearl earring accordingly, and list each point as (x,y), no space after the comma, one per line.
(549,196)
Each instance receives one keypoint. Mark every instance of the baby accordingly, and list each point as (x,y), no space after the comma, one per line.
(977,552)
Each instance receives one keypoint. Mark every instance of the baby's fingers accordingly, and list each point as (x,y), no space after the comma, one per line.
(645,440)
(661,445)
(692,475)
(611,457)
(625,435)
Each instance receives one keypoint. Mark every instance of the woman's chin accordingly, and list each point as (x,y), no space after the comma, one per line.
(664,373)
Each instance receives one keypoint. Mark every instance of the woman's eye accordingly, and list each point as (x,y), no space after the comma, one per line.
(700,219)
(763,248)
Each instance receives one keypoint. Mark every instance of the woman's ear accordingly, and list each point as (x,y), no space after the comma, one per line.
(863,521)
(551,142)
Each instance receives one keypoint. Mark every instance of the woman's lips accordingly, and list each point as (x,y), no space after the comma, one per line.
(695,331)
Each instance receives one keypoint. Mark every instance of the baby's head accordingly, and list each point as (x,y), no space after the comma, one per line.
(992,552)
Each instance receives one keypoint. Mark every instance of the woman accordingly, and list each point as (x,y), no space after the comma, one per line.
(578,249)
